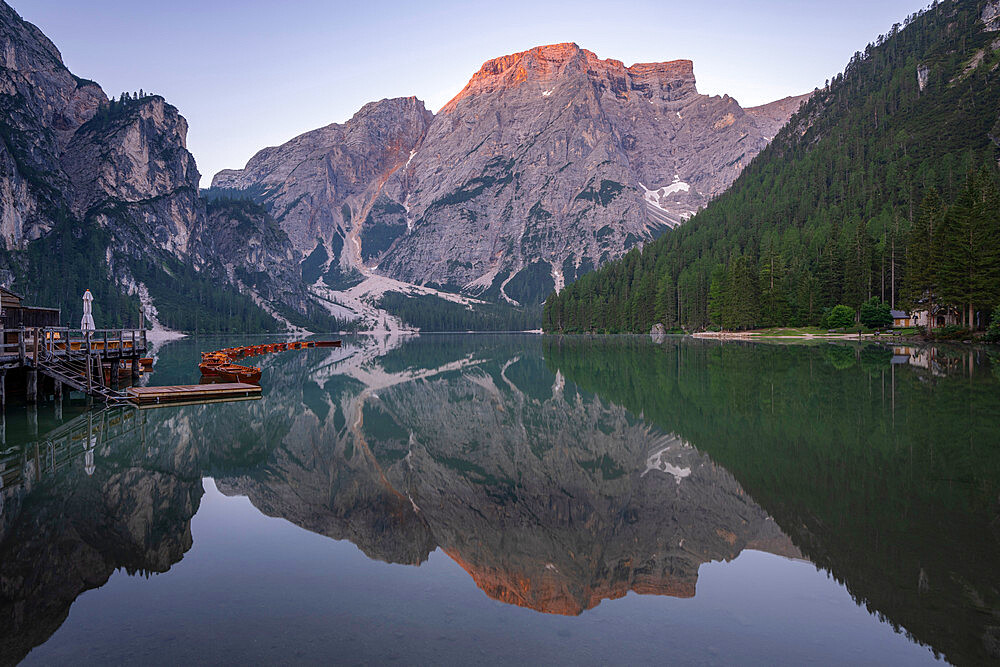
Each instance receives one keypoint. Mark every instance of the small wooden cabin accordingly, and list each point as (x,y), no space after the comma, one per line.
(901,318)
(15,315)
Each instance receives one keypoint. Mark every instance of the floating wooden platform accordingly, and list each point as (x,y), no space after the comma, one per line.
(192,393)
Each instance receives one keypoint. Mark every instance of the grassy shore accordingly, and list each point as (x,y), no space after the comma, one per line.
(811,333)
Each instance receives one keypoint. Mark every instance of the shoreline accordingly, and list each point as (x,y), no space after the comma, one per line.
(762,336)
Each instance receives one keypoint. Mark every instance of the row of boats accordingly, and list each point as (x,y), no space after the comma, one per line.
(218,366)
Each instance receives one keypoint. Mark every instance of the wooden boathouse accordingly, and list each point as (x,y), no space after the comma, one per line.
(38,357)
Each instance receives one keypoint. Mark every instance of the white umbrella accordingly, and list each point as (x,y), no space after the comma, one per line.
(87,323)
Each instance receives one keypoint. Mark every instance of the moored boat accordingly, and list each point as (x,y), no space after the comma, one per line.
(235,373)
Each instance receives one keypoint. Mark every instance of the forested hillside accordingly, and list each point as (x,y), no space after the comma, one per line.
(827,214)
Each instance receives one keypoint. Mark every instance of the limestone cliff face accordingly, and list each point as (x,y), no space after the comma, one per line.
(135,165)
(254,254)
(773,116)
(322,183)
(41,105)
(991,15)
(557,156)
(66,152)
(547,164)
(70,156)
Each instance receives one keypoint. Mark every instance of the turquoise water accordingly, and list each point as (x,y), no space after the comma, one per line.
(483,499)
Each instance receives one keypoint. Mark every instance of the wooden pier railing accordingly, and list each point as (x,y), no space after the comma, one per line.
(71,357)
(29,343)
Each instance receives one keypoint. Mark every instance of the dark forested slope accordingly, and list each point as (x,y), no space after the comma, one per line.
(826,214)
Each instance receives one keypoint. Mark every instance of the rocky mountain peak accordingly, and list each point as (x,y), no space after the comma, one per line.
(548,163)
(544,65)
(23,44)
(318,184)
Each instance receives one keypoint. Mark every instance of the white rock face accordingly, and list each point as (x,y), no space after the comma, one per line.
(140,161)
(923,74)
(991,15)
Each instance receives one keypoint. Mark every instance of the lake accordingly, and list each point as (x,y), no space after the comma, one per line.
(456,499)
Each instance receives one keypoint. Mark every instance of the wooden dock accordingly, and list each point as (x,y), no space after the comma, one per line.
(192,393)
(70,357)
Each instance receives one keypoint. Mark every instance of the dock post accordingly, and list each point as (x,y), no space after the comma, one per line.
(116,365)
(59,406)
(90,371)
(3,391)
(33,421)
(135,369)
(32,385)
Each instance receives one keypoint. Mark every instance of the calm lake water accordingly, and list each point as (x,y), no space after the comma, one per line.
(485,499)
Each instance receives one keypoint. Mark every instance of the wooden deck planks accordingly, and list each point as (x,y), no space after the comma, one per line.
(191,392)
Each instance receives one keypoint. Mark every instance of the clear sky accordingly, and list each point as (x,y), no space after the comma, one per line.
(249,73)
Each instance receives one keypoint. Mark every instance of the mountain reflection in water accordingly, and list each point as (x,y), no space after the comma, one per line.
(557,472)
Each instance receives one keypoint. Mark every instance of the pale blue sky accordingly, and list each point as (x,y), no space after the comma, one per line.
(249,74)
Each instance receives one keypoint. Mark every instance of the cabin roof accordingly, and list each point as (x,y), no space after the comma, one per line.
(6,292)
(899,314)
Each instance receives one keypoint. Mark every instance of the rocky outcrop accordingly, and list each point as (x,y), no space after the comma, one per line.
(320,185)
(254,253)
(118,172)
(131,165)
(41,106)
(991,16)
(772,117)
(547,164)
(553,161)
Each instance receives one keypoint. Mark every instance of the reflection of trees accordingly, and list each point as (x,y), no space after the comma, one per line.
(887,476)
(535,475)
(87,504)
(110,489)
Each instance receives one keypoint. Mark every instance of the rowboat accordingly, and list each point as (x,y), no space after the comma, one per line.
(245,374)
(231,372)
(219,365)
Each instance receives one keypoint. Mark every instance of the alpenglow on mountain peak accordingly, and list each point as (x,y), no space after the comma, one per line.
(547,164)
(548,63)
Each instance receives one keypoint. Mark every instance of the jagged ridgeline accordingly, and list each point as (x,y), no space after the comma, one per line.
(102,194)
(549,163)
(825,214)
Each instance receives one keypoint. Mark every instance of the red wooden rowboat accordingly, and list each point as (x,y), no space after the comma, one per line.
(231,372)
